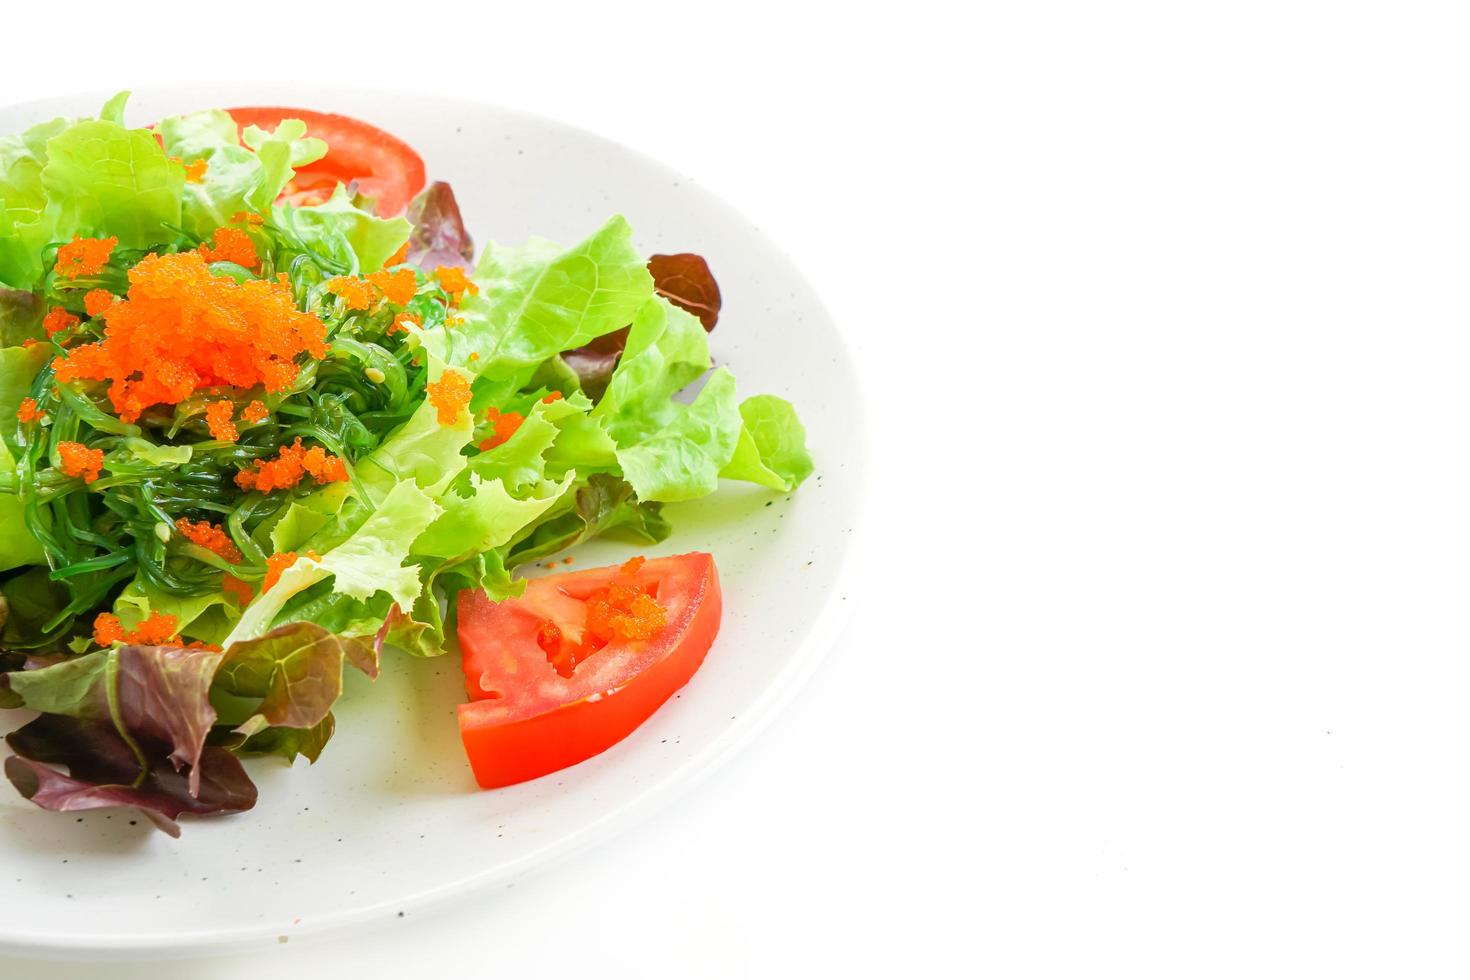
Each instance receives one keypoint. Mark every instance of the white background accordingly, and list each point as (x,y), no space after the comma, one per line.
(1160,666)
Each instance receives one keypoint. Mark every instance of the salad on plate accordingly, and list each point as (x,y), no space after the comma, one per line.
(265,410)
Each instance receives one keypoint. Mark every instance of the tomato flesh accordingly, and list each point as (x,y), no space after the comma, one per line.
(385,168)
(544,694)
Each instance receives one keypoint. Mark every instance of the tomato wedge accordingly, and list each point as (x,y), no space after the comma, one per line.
(546,693)
(385,168)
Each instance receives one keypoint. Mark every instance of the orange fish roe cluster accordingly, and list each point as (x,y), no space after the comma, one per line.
(247,218)
(194,170)
(555,396)
(453,321)
(401,321)
(97,301)
(210,537)
(450,394)
(239,589)
(230,245)
(180,329)
(631,566)
(399,257)
(83,257)
(78,460)
(107,629)
(28,411)
(157,629)
(278,563)
(255,412)
(219,417)
(624,612)
(29,342)
(356,293)
(58,320)
(454,282)
(505,425)
(290,467)
(399,287)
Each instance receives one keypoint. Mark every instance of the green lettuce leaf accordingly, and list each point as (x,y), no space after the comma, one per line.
(772,447)
(484,517)
(537,300)
(605,504)
(18,546)
(421,450)
(18,368)
(207,617)
(340,224)
(238,178)
(101,178)
(24,227)
(369,561)
(682,460)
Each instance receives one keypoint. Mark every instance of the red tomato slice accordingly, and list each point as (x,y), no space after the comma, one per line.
(525,718)
(385,168)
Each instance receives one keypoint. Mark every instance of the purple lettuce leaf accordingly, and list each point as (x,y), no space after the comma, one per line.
(685,280)
(295,670)
(153,692)
(288,743)
(163,695)
(439,236)
(105,771)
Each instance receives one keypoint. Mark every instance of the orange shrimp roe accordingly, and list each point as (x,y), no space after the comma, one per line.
(210,537)
(399,257)
(631,566)
(230,245)
(255,412)
(399,287)
(107,629)
(450,394)
(194,170)
(624,612)
(401,321)
(218,416)
(78,460)
(158,628)
(239,589)
(83,257)
(454,282)
(555,396)
(247,218)
(181,328)
(58,320)
(356,293)
(278,563)
(29,342)
(97,301)
(28,411)
(290,467)
(505,425)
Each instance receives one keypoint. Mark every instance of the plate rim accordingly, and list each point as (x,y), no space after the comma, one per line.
(661,791)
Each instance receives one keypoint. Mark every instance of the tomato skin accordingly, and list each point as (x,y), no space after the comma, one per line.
(385,168)
(542,722)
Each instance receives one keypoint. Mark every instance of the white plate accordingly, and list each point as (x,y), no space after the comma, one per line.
(389,818)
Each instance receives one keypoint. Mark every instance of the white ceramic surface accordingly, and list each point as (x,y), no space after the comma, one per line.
(389,818)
